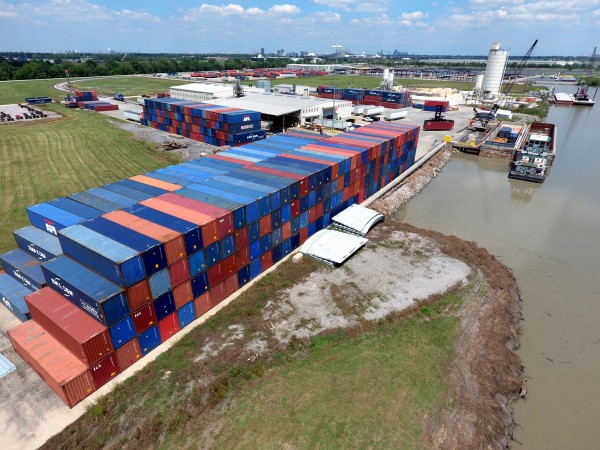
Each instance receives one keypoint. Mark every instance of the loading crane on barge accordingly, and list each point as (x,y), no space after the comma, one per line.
(581,97)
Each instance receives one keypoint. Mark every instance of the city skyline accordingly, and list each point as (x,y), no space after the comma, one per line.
(465,27)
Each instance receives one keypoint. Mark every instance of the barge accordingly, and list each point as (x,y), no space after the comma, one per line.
(532,161)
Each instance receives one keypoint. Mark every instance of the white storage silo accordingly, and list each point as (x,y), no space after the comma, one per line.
(494,70)
(479,82)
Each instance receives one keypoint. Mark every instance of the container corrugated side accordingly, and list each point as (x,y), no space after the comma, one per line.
(94,294)
(50,219)
(138,295)
(66,375)
(105,370)
(94,201)
(160,283)
(81,334)
(122,332)
(149,339)
(186,314)
(74,207)
(120,264)
(168,326)
(37,243)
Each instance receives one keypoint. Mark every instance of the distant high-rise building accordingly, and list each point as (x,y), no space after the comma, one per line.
(262,51)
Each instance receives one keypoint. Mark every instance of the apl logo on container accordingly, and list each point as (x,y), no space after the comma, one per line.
(247,119)
(50,228)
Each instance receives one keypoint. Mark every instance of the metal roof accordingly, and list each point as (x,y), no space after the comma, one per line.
(357,219)
(332,247)
(6,366)
(273,104)
(208,88)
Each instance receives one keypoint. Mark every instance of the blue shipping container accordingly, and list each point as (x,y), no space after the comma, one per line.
(94,294)
(160,283)
(37,243)
(186,314)
(164,305)
(79,209)
(24,268)
(12,295)
(122,332)
(50,218)
(149,340)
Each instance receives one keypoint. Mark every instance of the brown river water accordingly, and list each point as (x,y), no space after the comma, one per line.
(549,235)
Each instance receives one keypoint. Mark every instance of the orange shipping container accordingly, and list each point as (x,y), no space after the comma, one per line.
(172,240)
(63,373)
(183,294)
(128,354)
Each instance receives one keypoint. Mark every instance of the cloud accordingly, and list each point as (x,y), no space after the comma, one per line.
(355,5)
(284,9)
(412,15)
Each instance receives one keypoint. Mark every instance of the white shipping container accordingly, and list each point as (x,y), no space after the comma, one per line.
(358,109)
(373,110)
(393,114)
(132,115)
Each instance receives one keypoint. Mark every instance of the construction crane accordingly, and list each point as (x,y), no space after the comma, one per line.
(70,100)
(124,56)
(517,73)
(582,92)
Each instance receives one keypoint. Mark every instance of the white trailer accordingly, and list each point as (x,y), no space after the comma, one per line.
(393,114)
(373,110)
(358,109)
(335,124)
(132,115)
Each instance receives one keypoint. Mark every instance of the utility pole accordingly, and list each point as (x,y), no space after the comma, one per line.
(336,46)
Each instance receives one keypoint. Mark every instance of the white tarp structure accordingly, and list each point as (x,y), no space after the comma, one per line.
(357,219)
(6,366)
(332,247)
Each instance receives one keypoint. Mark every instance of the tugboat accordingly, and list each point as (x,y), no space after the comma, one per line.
(532,161)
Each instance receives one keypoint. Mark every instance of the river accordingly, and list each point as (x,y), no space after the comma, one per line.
(549,235)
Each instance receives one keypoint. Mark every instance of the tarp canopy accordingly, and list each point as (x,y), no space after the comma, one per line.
(6,366)
(357,219)
(332,247)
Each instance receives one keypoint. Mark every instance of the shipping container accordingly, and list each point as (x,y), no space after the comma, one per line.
(168,326)
(197,263)
(120,264)
(164,305)
(50,219)
(94,201)
(202,304)
(128,354)
(24,268)
(200,284)
(79,209)
(144,318)
(149,339)
(122,200)
(94,294)
(183,294)
(37,243)
(129,192)
(12,295)
(160,283)
(172,241)
(87,339)
(122,332)
(66,375)
(138,295)
(151,250)
(186,314)
(179,272)
(104,370)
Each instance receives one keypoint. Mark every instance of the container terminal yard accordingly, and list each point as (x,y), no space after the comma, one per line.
(105,279)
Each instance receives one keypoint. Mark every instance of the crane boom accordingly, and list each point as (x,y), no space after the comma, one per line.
(520,67)
(590,67)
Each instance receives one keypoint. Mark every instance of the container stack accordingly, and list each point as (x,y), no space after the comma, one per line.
(204,122)
(124,280)
(430,105)
(97,105)
(372,97)
(85,96)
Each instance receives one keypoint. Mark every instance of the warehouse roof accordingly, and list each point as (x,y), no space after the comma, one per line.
(210,88)
(274,104)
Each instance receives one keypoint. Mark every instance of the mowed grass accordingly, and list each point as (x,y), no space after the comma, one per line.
(373,391)
(126,85)
(17,91)
(40,161)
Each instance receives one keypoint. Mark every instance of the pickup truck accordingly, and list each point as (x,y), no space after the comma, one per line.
(119,97)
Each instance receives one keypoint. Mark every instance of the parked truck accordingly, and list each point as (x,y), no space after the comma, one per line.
(373,110)
(119,97)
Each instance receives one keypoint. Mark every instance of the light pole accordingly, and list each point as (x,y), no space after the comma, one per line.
(336,46)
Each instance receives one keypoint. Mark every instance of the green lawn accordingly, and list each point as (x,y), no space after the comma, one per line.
(126,85)
(43,160)
(17,91)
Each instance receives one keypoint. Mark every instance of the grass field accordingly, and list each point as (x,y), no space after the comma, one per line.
(17,91)
(372,386)
(43,160)
(126,85)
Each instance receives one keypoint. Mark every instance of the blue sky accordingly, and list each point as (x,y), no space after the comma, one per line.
(563,27)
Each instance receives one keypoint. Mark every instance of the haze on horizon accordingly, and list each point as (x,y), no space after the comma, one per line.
(460,27)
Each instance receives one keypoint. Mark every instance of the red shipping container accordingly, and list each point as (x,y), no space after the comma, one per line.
(203,304)
(215,275)
(319,212)
(66,375)
(295,208)
(286,228)
(183,294)
(138,295)
(228,266)
(144,318)
(105,370)
(230,285)
(128,354)
(173,242)
(265,225)
(312,214)
(266,260)
(242,258)
(303,235)
(168,326)
(217,294)
(241,237)
(86,338)
(179,272)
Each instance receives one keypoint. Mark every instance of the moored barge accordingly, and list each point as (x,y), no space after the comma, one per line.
(532,161)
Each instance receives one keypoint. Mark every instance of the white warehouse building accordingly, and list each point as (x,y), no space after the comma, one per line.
(206,91)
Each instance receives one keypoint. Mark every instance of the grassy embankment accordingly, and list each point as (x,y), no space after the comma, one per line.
(373,385)
(43,160)
(127,86)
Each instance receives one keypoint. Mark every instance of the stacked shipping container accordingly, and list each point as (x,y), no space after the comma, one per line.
(373,97)
(213,124)
(190,236)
